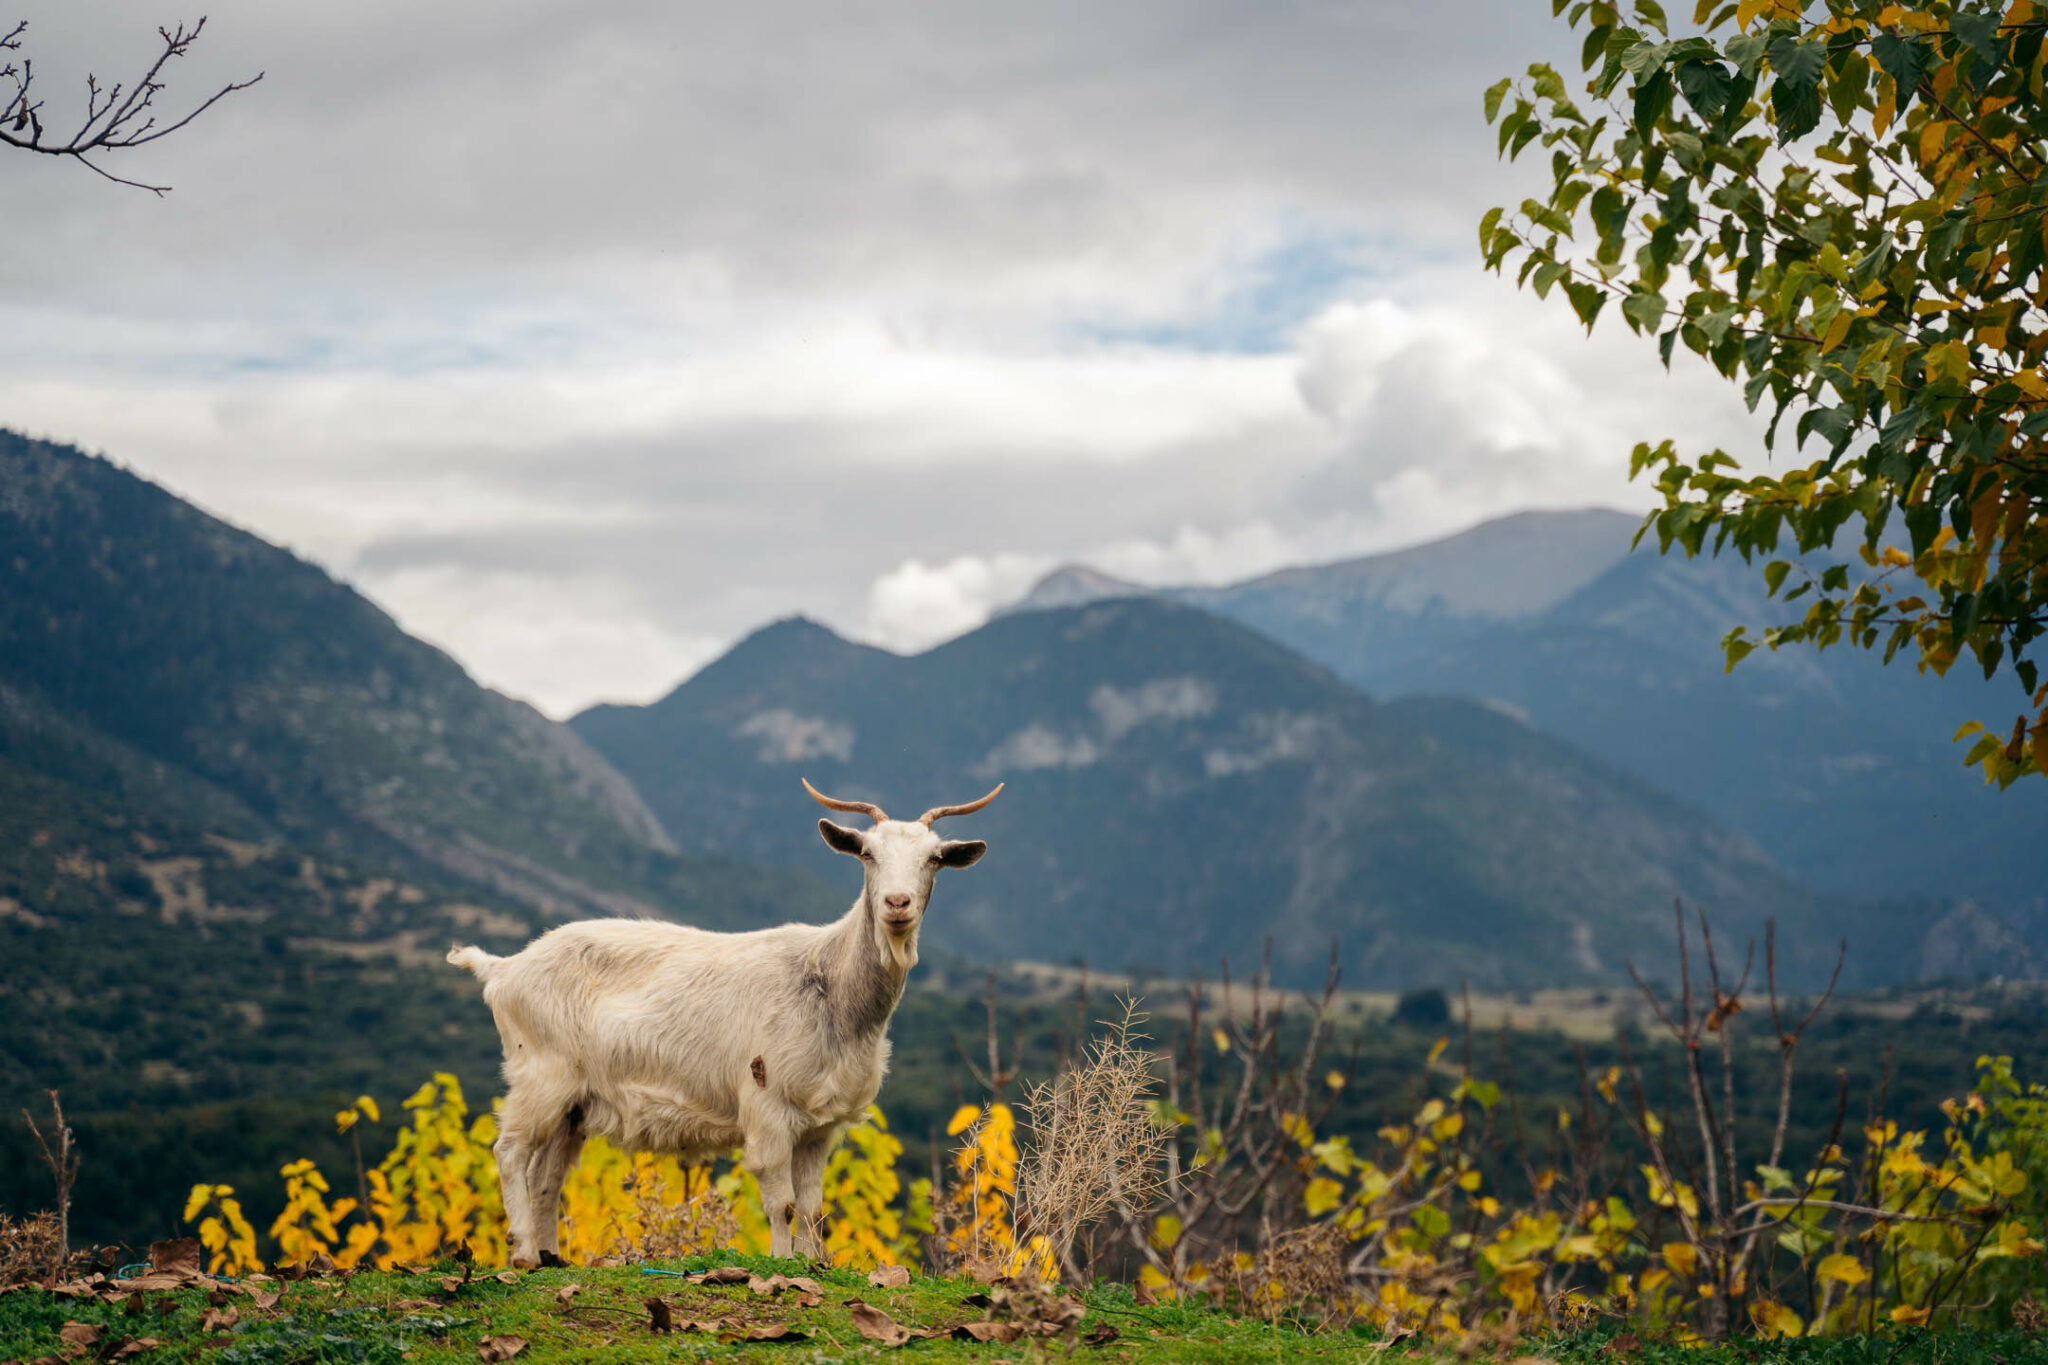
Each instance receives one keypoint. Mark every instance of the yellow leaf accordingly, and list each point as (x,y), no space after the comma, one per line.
(1905,1314)
(1844,1268)
(1165,1231)
(1322,1195)
(1837,330)
(369,1107)
(1221,1039)
(965,1115)
(1776,1320)
(1334,1079)
(1681,1257)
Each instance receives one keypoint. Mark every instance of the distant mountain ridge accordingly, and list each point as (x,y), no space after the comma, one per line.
(1180,788)
(150,650)
(1838,766)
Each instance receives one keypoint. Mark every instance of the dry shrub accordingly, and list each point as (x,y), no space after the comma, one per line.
(1095,1146)
(31,1248)
(669,1231)
(1302,1275)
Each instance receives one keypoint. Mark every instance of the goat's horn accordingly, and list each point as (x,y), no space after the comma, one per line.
(867,808)
(941,812)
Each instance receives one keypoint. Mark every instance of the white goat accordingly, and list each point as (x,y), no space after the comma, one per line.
(665,1038)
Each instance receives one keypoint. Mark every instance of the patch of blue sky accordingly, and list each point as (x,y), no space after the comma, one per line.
(1257,305)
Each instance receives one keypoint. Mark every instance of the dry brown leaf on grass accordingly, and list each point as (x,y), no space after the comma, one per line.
(492,1349)
(418,1305)
(179,1256)
(136,1303)
(889,1277)
(725,1274)
(507,1277)
(132,1347)
(876,1325)
(265,1298)
(80,1333)
(1002,1332)
(1101,1334)
(566,1293)
(215,1320)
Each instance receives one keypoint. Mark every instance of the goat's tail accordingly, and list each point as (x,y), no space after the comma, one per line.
(474,959)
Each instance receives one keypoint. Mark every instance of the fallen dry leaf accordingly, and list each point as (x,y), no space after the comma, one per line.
(499,1348)
(659,1316)
(80,1333)
(323,1265)
(772,1331)
(1142,1292)
(180,1256)
(265,1298)
(132,1347)
(725,1274)
(1627,1344)
(135,1305)
(507,1277)
(889,1277)
(876,1325)
(977,1300)
(566,1293)
(451,1285)
(1002,1332)
(1101,1334)
(214,1320)
(416,1269)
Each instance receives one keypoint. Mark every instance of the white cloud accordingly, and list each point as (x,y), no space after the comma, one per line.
(587,340)
(915,605)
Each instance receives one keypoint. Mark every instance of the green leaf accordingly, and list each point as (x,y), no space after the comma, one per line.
(1774,575)
(1644,309)
(1706,87)
(1495,93)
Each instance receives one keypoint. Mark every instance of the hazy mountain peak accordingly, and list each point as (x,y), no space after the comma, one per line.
(1073,585)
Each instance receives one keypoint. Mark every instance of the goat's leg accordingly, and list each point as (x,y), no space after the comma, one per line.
(807,1172)
(767,1157)
(546,1168)
(512,1154)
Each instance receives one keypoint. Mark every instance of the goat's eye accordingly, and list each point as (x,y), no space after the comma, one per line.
(866,856)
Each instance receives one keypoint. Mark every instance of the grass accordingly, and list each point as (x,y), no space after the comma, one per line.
(384,1319)
(396,1318)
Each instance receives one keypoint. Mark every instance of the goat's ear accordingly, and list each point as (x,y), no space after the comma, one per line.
(841,838)
(961,852)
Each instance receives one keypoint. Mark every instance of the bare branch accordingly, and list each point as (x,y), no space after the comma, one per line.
(117,117)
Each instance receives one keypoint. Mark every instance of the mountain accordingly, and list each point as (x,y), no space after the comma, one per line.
(1839,767)
(152,651)
(1180,788)
(242,815)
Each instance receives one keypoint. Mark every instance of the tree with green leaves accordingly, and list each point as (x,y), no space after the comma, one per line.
(1839,206)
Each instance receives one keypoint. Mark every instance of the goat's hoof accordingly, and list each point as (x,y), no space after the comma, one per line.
(549,1260)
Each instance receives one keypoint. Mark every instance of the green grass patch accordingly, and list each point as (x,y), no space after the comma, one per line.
(397,1318)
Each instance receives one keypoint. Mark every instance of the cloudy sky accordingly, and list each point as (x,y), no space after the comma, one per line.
(586,338)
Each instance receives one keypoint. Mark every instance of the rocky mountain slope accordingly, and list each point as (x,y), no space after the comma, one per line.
(1840,768)
(1179,788)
